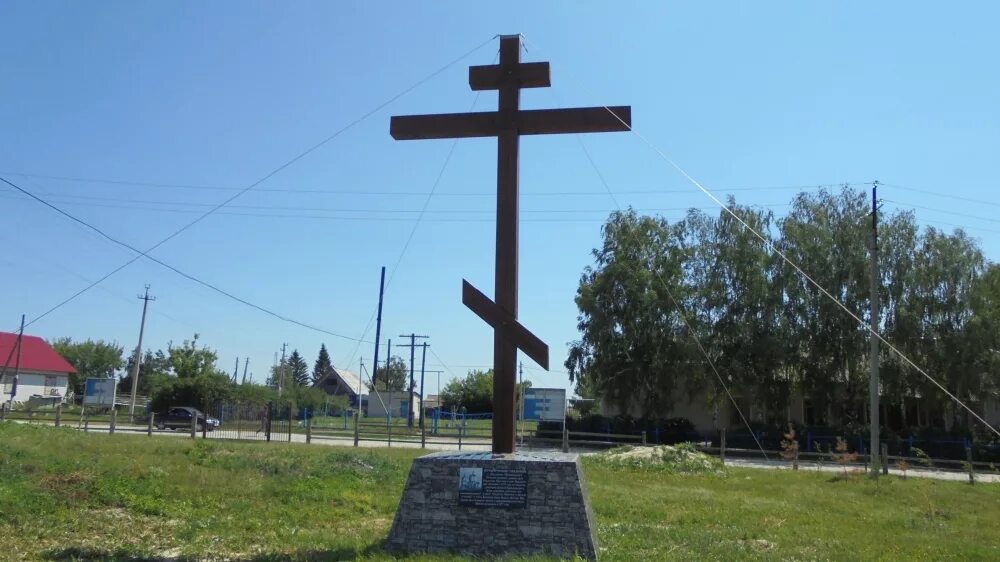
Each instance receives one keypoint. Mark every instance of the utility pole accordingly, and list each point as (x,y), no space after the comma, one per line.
(236,369)
(17,362)
(423,365)
(246,365)
(378,333)
(412,345)
(138,353)
(281,370)
(520,399)
(873,381)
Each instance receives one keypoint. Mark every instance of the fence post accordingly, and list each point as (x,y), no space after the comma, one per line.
(423,432)
(565,439)
(309,428)
(885,458)
(194,426)
(3,411)
(644,437)
(357,418)
(204,428)
(114,421)
(460,439)
(58,415)
(722,446)
(972,472)
(289,422)
(390,434)
(149,428)
(267,421)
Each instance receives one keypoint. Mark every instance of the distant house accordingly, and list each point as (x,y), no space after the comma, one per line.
(341,382)
(43,373)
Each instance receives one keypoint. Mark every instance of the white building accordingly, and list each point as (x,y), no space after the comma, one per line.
(42,375)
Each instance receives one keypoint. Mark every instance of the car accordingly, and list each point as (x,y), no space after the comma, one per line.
(179,417)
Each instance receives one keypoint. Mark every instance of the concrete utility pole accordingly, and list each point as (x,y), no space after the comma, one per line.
(873,381)
(413,346)
(138,353)
(246,365)
(423,366)
(281,370)
(378,333)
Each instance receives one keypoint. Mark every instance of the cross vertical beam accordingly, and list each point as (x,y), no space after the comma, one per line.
(505,291)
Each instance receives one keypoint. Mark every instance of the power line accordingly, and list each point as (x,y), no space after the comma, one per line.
(420,217)
(316,190)
(940,194)
(266,177)
(162,263)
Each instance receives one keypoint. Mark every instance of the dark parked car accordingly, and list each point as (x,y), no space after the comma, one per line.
(179,417)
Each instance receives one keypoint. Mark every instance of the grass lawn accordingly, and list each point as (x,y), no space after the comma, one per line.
(66,495)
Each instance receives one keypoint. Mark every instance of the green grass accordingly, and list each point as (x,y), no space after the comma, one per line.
(65,495)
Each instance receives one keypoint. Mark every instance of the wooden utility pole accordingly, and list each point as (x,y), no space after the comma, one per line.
(413,347)
(508,123)
(873,381)
(138,353)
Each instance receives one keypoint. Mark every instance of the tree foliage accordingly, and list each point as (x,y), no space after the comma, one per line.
(392,379)
(298,370)
(90,358)
(770,331)
(474,392)
(323,366)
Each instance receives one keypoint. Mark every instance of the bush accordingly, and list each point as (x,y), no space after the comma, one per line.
(200,392)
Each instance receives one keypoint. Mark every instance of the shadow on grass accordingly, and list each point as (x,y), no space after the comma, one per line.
(104,555)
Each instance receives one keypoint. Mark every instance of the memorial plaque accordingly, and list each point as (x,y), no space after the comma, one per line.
(492,487)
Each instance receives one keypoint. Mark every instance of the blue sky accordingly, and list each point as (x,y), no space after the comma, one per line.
(172,107)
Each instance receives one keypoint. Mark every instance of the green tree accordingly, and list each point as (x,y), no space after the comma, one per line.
(190,361)
(90,358)
(323,367)
(153,366)
(635,350)
(392,379)
(474,392)
(298,370)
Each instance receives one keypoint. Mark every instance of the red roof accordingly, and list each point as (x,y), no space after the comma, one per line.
(36,355)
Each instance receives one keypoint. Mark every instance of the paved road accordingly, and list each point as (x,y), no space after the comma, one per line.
(434,442)
(828,467)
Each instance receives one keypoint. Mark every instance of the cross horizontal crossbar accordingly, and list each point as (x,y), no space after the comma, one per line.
(530,122)
(500,319)
(523,75)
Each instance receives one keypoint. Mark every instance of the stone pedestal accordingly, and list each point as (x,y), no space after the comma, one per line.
(489,505)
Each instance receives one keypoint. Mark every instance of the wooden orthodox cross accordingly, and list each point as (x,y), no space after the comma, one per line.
(508,123)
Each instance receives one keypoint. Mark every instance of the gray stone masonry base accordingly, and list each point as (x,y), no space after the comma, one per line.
(554,519)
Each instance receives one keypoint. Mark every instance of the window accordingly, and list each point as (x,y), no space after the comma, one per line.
(51,381)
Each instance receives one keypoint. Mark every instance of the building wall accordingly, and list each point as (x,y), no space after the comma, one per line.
(394,402)
(31,384)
